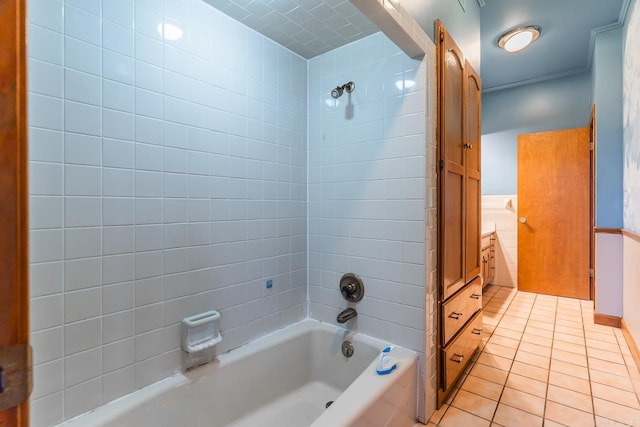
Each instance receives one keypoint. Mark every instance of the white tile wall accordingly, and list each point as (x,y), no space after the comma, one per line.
(167,178)
(367,175)
(496,210)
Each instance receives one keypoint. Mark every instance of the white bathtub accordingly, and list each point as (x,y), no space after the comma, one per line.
(281,380)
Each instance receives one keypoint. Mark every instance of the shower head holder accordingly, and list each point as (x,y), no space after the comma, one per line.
(337,92)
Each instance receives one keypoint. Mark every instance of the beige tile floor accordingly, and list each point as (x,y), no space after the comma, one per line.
(544,363)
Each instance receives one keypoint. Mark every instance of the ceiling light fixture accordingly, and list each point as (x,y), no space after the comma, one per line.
(518,38)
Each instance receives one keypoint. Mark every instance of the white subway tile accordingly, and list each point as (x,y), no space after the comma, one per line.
(82,336)
(83,397)
(82,118)
(117,211)
(82,367)
(148,77)
(148,237)
(117,182)
(47,345)
(46,279)
(46,245)
(82,305)
(118,383)
(117,96)
(46,312)
(148,211)
(82,242)
(47,411)
(118,125)
(148,157)
(82,273)
(118,11)
(117,297)
(45,45)
(82,180)
(149,104)
(118,268)
(46,13)
(82,149)
(118,326)
(45,112)
(82,211)
(117,153)
(118,355)
(149,184)
(82,25)
(48,379)
(45,78)
(117,67)
(117,240)
(83,56)
(117,38)
(45,145)
(149,130)
(148,264)
(148,318)
(148,291)
(148,49)
(45,212)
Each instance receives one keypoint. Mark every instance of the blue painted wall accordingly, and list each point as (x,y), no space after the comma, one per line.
(554,104)
(606,77)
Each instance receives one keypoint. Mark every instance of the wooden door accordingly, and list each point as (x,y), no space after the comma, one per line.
(451,85)
(472,173)
(14,315)
(554,212)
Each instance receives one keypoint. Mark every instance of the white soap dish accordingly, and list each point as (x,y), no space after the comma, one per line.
(201,331)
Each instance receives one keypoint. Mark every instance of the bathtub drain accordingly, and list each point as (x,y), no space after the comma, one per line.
(328,404)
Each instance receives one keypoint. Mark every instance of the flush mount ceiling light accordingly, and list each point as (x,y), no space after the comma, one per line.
(518,38)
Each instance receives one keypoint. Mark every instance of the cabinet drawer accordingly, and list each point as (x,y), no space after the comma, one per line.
(458,353)
(459,309)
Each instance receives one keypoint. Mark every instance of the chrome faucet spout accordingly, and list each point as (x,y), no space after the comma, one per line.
(347,314)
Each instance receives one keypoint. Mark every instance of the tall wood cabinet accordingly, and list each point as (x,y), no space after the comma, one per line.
(459,255)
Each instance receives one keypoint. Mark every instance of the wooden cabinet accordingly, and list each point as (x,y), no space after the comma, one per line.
(488,258)
(459,255)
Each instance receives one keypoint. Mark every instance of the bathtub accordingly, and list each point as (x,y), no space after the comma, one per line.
(284,379)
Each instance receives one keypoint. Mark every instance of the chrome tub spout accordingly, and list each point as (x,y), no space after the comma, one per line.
(347,314)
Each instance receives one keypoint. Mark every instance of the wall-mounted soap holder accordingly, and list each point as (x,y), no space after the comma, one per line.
(201,331)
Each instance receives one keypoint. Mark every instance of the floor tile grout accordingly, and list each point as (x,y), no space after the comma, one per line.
(559,317)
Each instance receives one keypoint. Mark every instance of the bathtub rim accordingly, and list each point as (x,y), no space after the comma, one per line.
(105,414)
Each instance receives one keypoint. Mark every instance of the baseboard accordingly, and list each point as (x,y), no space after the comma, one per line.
(630,342)
(607,320)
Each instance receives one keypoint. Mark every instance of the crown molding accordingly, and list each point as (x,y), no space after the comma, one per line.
(622,18)
(535,80)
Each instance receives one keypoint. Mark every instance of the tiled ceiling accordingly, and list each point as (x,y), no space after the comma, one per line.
(307,27)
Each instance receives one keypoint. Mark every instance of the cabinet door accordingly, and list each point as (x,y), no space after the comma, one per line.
(452,168)
(473,89)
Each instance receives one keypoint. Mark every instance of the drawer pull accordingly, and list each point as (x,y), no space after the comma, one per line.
(476,331)
(458,356)
(455,315)
(475,296)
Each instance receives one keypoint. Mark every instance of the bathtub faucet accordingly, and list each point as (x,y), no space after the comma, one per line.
(347,314)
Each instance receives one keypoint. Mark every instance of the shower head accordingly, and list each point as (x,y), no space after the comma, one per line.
(337,92)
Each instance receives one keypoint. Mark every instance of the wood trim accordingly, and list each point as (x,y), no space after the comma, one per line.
(633,347)
(607,320)
(603,230)
(14,233)
(631,235)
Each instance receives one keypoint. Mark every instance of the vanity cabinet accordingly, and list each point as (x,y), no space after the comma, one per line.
(459,225)
(488,258)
